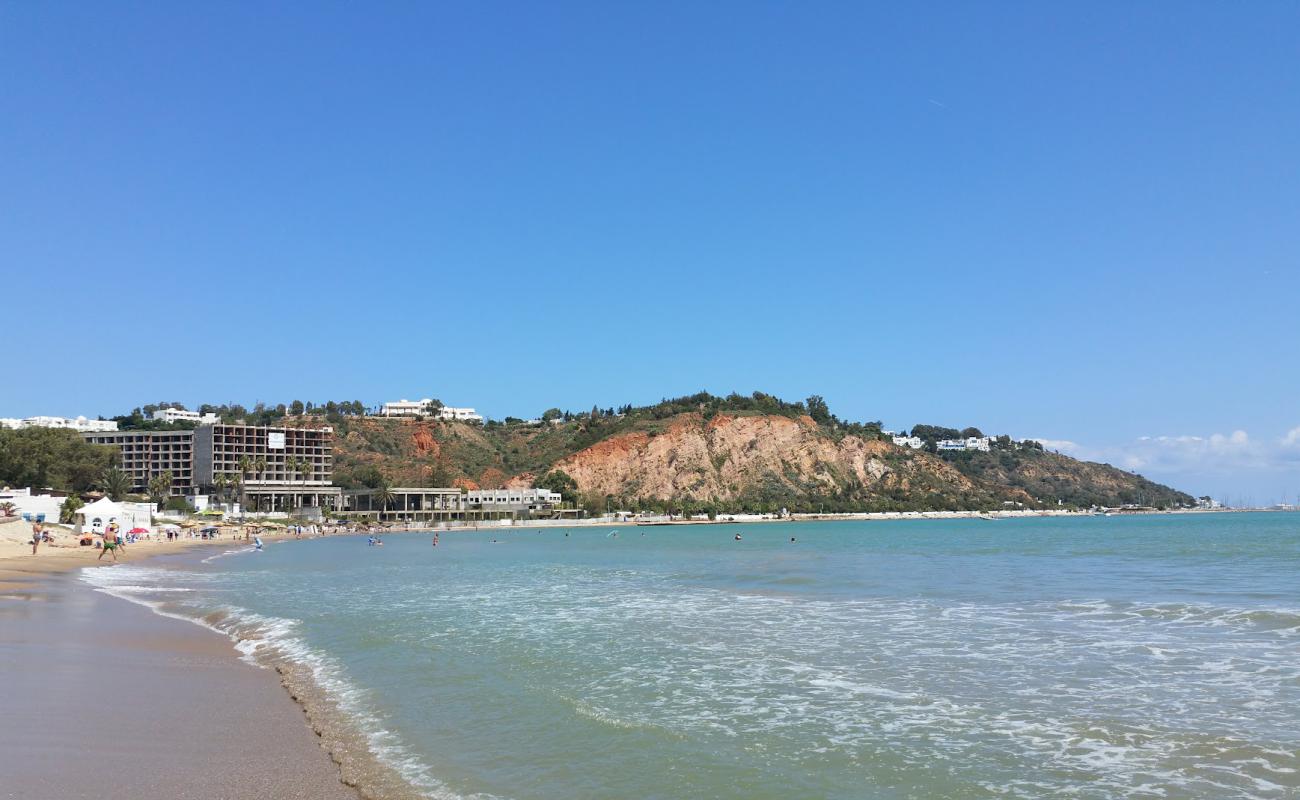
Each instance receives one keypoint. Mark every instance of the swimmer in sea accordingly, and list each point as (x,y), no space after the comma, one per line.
(737,537)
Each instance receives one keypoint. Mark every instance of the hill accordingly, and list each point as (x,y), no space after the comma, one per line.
(752,453)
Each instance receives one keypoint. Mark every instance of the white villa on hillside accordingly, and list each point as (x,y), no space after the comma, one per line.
(181,415)
(424,408)
(971,443)
(913,442)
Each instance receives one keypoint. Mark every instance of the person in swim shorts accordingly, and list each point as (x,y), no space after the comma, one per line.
(110,542)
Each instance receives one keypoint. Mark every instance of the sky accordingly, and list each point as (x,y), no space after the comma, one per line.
(1078,222)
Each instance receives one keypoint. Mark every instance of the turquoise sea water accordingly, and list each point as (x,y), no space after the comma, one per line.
(1088,657)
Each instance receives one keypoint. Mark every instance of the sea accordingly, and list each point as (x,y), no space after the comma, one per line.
(1079,657)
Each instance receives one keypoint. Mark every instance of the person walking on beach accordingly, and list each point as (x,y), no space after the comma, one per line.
(36,536)
(110,542)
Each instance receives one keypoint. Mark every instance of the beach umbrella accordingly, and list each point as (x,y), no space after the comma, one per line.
(138,530)
(189,523)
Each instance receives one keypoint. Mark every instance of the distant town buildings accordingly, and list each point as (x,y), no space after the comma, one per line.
(181,415)
(79,424)
(981,443)
(425,408)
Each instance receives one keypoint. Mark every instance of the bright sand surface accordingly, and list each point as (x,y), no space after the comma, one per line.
(104,699)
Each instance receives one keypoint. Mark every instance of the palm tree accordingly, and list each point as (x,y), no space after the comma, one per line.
(115,483)
(383,495)
(260,465)
(236,485)
(160,487)
(245,466)
(219,484)
(68,511)
(7,509)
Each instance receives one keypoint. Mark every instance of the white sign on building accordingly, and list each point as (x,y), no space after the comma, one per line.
(275,441)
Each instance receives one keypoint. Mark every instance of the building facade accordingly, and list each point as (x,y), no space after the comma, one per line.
(981,443)
(278,470)
(406,408)
(431,505)
(462,414)
(144,454)
(181,415)
(425,408)
(512,499)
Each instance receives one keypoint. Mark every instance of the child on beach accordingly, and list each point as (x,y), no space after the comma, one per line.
(36,536)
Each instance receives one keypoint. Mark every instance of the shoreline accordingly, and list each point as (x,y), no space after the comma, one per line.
(172,682)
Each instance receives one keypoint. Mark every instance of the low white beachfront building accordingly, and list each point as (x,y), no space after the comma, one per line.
(33,507)
(182,415)
(79,424)
(533,499)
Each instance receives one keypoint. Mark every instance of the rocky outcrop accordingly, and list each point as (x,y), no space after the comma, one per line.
(729,457)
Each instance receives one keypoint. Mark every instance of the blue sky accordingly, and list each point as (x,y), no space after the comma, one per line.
(1068,221)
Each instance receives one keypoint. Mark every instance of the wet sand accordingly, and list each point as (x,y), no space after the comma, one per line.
(104,699)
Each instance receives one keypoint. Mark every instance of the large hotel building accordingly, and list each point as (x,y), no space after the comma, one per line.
(145,454)
(278,469)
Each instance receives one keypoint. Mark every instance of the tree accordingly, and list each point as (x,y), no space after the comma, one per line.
(57,458)
(7,509)
(818,410)
(971,433)
(551,413)
(115,483)
(557,480)
(384,495)
(68,510)
(160,487)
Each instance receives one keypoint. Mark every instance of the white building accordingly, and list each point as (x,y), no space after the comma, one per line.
(980,443)
(913,442)
(32,507)
(512,498)
(181,415)
(79,424)
(406,408)
(463,414)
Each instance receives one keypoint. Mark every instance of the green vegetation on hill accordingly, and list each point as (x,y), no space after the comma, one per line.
(371,451)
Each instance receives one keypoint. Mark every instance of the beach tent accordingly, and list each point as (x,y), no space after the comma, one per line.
(96,517)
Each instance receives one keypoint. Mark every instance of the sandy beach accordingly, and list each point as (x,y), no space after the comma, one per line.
(105,699)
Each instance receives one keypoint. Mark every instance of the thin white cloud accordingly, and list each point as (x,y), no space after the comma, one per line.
(1171,455)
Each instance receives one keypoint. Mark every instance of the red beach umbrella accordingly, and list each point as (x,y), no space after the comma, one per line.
(138,530)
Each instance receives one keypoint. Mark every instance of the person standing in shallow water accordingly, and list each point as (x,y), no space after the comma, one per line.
(110,542)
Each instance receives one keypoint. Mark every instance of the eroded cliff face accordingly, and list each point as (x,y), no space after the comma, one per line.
(727,457)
